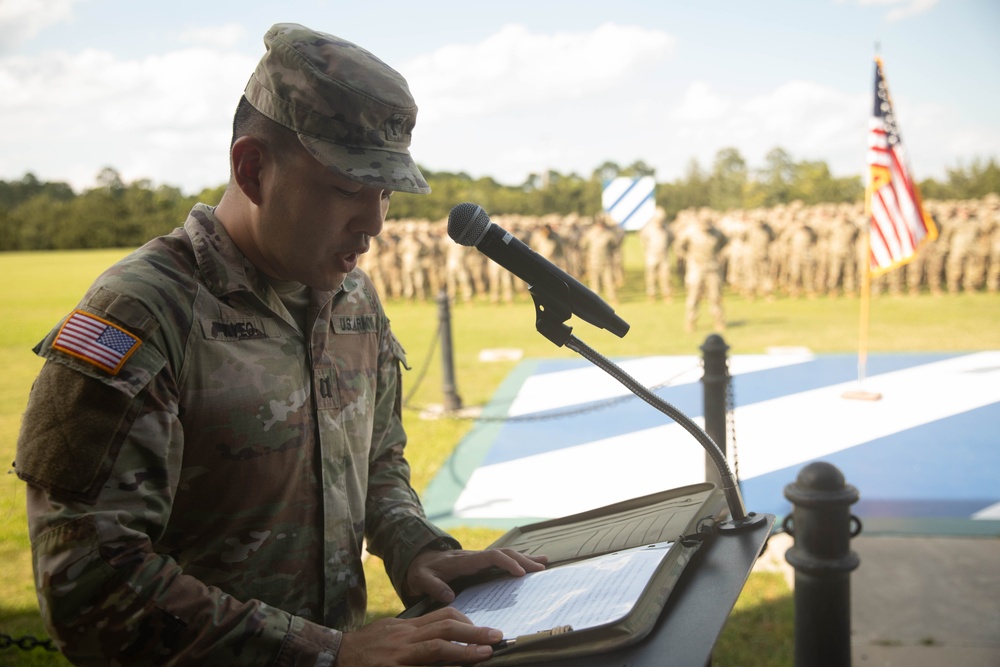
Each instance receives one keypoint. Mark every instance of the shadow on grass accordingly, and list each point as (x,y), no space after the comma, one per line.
(762,635)
(25,624)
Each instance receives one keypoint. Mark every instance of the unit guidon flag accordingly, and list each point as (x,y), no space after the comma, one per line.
(96,341)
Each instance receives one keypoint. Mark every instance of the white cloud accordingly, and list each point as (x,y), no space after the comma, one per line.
(165,117)
(515,103)
(225,36)
(901,9)
(806,117)
(515,68)
(699,103)
(20,20)
(931,149)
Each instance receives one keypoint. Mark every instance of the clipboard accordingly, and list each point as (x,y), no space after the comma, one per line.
(684,516)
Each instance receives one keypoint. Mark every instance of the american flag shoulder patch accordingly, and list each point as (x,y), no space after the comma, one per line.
(96,341)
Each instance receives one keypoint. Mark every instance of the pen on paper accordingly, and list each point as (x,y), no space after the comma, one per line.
(558,630)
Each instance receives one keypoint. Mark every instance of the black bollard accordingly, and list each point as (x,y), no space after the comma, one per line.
(822,525)
(452,401)
(715,385)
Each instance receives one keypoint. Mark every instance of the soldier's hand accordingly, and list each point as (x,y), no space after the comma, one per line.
(431,570)
(442,637)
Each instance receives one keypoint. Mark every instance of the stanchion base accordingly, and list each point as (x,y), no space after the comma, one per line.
(862,395)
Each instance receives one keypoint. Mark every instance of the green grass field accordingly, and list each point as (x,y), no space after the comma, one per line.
(40,288)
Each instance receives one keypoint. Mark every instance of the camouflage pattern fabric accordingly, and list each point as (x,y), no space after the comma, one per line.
(701,244)
(222,480)
(351,111)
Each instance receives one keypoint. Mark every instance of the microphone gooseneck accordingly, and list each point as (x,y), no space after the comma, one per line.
(558,295)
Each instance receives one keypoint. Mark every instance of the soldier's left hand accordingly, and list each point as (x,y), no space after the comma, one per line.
(431,570)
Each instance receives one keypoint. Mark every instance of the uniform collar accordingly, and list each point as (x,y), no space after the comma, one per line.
(225,269)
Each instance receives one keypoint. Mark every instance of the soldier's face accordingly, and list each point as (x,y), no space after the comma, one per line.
(314,224)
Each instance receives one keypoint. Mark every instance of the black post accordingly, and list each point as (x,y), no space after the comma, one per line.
(821,524)
(715,383)
(452,401)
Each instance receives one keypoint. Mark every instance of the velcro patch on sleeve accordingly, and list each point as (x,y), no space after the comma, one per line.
(96,341)
(72,429)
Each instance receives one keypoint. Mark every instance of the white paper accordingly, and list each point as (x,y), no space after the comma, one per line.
(583,594)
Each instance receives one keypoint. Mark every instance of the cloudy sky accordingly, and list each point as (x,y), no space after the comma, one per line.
(509,88)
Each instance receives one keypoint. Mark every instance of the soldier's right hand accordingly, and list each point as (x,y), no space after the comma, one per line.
(442,637)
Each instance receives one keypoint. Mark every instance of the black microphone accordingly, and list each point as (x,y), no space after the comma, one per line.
(469,225)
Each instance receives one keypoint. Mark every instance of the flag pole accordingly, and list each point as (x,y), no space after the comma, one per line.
(866,287)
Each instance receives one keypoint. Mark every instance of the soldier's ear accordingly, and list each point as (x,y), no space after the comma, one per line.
(247,157)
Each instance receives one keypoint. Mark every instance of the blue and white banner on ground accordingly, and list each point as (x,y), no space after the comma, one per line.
(563,437)
(631,202)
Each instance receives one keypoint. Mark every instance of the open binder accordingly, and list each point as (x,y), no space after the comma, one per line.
(683,517)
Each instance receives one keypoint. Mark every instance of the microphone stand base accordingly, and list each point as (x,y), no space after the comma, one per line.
(751,520)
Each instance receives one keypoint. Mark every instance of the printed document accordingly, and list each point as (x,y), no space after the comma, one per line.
(583,594)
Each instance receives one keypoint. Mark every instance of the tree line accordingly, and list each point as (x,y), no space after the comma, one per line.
(37,215)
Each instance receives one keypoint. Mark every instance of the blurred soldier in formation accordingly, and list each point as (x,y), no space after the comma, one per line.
(842,242)
(977,265)
(964,234)
(547,242)
(936,252)
(571,232)
(701,245)
(657,238)
(799,240)
(434,235)
(383,263)
(792,249)
(601,244)
(757,277)
(820,219)
(617,258)
(734,256)
(411,253)
(991,226)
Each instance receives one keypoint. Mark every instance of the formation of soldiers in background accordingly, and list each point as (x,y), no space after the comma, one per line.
(789,250)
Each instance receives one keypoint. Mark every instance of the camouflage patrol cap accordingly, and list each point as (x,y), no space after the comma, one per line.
(351,111)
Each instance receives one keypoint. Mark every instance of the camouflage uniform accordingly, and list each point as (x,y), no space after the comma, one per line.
(842,272)
(656,239)
(701,244)
(991,223)
(235,458)
(412,253)
(964,235)
(800,243)
(601,244)
(759,240)
(204,457)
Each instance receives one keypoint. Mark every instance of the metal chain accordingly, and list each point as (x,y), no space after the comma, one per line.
(423,371)
(731,422)
(26,643)
(572,412)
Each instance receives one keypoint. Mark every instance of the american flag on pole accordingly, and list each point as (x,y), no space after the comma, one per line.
(96,341)
(898,225)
